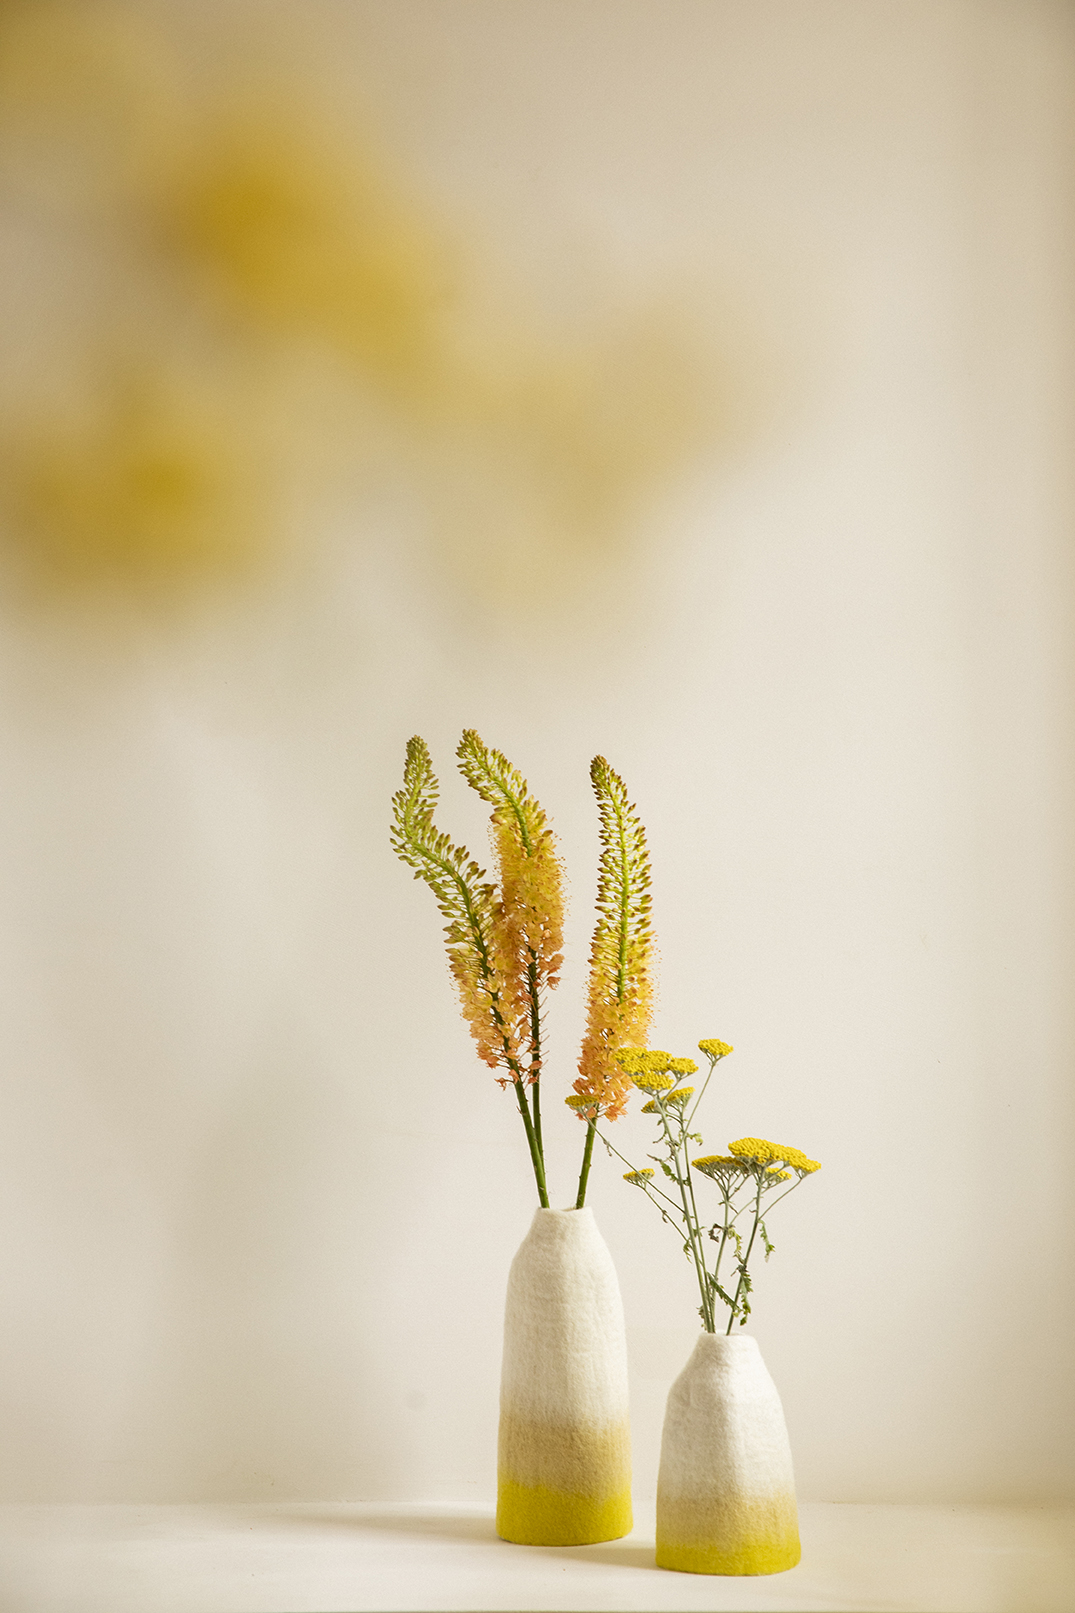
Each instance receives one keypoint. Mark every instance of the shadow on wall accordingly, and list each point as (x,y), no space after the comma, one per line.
(232,314)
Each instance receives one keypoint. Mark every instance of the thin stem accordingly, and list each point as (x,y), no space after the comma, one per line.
(774,1202)
(690,1187)
(710,1302)
(623,1158)
(723,1239)
(587,1155)
(746,1258)
(693,1236)
(694,1106)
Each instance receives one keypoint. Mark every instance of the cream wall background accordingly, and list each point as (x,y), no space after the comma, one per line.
(258,1198)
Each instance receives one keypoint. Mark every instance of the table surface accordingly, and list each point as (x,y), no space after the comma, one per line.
(377,1558)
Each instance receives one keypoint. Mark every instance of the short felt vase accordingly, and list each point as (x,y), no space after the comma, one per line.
(726,1491)
(564,1454)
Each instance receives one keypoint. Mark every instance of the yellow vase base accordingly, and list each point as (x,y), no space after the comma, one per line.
(764,1555)
(532,1515)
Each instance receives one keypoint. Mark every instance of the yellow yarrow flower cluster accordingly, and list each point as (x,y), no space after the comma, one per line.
(678,1097)
(648,1069)
(753,1150)
(727,1168)
(653,1070)
(759,1151)
(753,1176)
(586,1106)
(720,1166)
(799,1162)
(713,1049)
(653,1081)
(682,1067)
(633,1059)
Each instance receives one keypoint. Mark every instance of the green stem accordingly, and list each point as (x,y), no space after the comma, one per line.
(533,1137)
(746,1257)
(710,1309)
(535,1110)
(535,1047)
(723,1241)
(587,1155)
(532,1141)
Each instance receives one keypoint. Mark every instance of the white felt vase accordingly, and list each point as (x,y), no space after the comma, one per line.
(726,1491)
(564,1455)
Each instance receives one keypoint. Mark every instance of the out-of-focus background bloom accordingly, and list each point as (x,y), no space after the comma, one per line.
(690,384)
(227,256)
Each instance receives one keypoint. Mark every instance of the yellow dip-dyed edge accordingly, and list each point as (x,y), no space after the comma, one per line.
(534,1515)
(744,1542)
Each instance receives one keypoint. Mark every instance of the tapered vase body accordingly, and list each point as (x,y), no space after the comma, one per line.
(564,1453)
(726,1491)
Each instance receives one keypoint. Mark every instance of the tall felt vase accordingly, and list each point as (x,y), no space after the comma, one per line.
(725,1491)
(564,1455)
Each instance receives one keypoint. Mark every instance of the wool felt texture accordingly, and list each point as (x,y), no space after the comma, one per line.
(564,1453)
(726,1490)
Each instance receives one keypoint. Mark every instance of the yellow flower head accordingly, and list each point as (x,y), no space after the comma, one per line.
(647,1068)
(637,1178)
(755,1151)
(713,1049)
(653,1081)
(678,1097)
(629,1058)
(797,1160)
(777,1176)
(720,1166)
(758,1151)
(584,1105)
(633,1059)
(682,1067)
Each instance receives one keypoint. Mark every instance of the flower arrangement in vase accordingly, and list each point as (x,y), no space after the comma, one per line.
(563,1467)
(725,1489)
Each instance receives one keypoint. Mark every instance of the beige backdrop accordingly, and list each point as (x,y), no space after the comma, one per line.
(258,1198)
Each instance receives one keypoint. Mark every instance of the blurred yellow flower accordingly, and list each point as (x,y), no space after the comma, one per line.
(152,477)
(249,221)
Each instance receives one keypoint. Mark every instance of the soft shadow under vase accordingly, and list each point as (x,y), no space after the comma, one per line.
(564,1456)
(726,1491)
